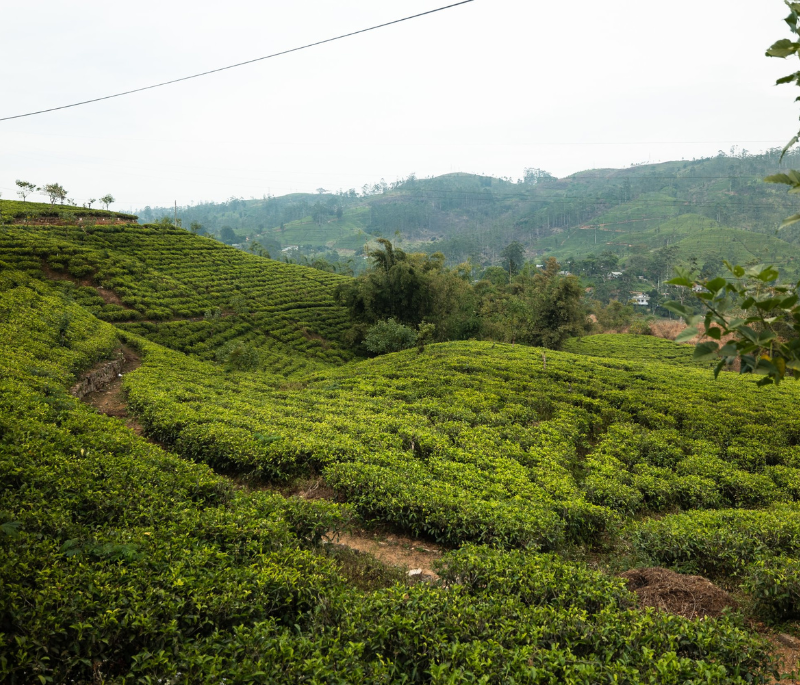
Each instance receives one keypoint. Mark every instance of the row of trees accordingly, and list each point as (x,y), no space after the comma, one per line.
(57,193)
(532,306)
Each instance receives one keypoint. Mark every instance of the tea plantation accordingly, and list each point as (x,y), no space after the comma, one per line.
(167,557)
(635,347)
(186,292)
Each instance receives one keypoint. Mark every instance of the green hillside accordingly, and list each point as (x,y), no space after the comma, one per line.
(696,238)
(13,212)
(468,216)
(166,545)
(640,348)
(187,292)
(331,233)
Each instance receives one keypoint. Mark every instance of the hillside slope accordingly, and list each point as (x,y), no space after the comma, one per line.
(14,212)
(122,561)
(464,215)
(187,292)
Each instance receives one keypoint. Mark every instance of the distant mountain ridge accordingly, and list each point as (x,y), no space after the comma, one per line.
(704,205)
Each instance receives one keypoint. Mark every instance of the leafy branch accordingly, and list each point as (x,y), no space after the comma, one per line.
(759,317)
(782,49)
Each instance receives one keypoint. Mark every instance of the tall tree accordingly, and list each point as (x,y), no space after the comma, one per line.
(107,200)
(513,257)
(556,307)
(228,236)
(25,189)
(412,288)
(539,307)
(56,192)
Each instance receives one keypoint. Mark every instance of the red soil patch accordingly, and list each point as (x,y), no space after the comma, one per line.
(787,649)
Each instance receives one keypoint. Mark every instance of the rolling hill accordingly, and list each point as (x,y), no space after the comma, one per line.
(198,532)
(187,292)
(468,216)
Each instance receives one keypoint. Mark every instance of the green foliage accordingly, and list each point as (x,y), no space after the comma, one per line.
(614,315)
(188,292)
(759,317)
(774,585)
(12,212)
(425,333)
(396,288)
(720,543)
(634,347)
(513,258)
(640,327)
(238,356)
(541,307)
(389,336)
(411,289)
(121,562)
(537,579)
(711,209)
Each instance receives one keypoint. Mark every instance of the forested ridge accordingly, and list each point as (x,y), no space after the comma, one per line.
(707,209)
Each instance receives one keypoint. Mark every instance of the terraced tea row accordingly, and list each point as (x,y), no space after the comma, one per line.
(475,441)
(187,292)
(640,348)
(120,562)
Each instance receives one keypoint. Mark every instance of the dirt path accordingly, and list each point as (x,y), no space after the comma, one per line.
(414,556)
(787,649)
(109,399)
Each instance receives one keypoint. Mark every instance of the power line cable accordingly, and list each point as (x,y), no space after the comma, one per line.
(241,64)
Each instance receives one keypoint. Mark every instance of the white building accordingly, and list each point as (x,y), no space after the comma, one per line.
(640,299)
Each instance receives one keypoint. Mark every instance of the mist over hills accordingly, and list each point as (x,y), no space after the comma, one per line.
(711,208)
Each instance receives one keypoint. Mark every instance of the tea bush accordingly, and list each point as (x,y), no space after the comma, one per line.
(636,345)
(160,282)
(121,562)
(12,211)
(774,584)
(720,543)
(498,449)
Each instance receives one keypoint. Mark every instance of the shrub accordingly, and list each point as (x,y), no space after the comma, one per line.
(640,327)
(719,543)
(536,579)
(389,336)
(239,356)
(774,584)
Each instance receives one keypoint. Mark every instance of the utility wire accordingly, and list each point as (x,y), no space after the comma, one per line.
(241,64)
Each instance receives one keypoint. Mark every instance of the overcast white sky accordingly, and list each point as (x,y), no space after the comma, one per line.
(490,87)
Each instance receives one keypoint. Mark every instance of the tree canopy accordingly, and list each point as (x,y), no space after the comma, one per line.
(535,307)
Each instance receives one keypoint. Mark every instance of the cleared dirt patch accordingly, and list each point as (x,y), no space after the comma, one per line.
(109,296)
(413,556)
(689,596)
(787,649)
(108,397)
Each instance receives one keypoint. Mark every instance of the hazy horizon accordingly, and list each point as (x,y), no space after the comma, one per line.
(487,88)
